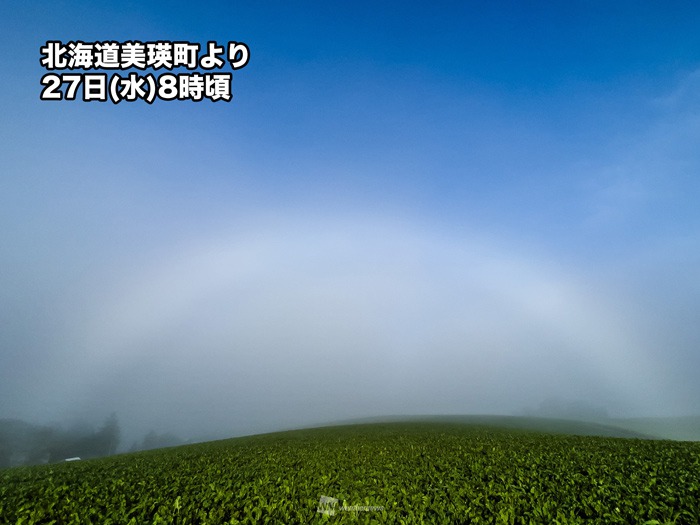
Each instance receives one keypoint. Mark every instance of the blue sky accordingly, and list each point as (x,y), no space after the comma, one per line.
(499,191)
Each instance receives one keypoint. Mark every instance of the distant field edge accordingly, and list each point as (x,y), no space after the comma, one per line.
(678,429)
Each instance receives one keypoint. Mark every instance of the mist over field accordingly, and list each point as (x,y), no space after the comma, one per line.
(498,217)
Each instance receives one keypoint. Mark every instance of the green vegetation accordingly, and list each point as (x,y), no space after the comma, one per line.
(416,472)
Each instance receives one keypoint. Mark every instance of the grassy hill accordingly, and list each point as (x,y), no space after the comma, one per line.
(429,470)
(536,424)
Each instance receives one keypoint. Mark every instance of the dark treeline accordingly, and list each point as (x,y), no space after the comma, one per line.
(22,443)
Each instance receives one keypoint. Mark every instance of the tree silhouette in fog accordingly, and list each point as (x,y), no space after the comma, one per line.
(22,443)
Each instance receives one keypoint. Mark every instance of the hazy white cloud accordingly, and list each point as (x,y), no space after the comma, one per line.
(313,320)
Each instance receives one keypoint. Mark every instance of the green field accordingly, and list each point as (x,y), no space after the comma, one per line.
(464,470)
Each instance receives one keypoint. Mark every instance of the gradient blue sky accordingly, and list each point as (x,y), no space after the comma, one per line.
(455,208)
